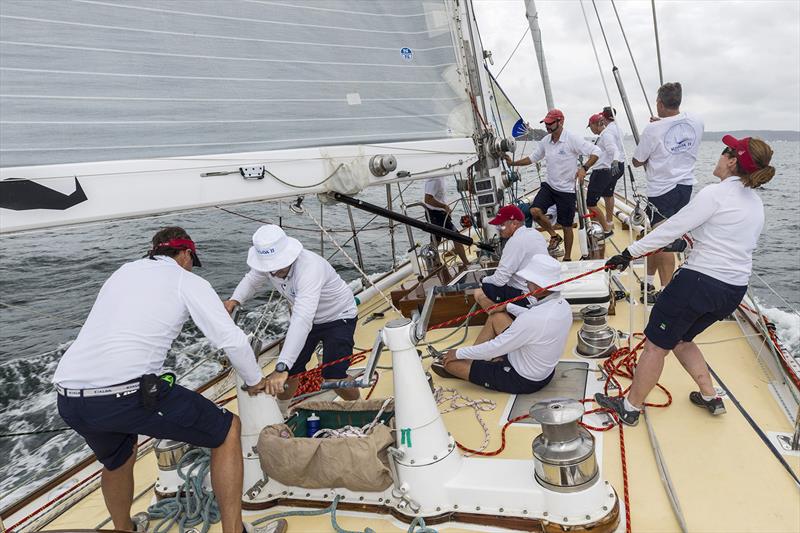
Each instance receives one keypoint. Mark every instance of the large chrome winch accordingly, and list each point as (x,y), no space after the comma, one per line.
(596,338)
(563,455)
(168,455)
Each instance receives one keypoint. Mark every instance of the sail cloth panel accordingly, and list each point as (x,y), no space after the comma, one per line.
(504,113)
(92,80)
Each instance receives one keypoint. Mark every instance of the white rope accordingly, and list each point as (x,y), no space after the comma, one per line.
(351,431)
(458,401)
(352,262)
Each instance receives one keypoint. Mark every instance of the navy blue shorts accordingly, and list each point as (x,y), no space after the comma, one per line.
(601,183)
(501,376)
(564,202)
(690,303)
(442,219)
(111,425)
(525,207)
(337,342)
(668,203)
(501,294)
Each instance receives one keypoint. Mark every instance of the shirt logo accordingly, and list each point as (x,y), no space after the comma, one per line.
(680,138)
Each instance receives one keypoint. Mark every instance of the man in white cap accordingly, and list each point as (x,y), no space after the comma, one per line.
(518,355)
(322,308)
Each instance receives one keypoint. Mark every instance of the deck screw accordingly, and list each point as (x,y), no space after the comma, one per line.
(380,499)
(545,513)
(478,508)
(412,461)
(524,511)
(501,509)
(455,506)
(308,494)
(291,494)
(566,519)
(435,458)
(605,508)
(361,498)
(588,517)
(438,508)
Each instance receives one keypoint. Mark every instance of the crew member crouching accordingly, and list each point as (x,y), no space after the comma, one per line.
(519,356)
(523,243)
(322,309)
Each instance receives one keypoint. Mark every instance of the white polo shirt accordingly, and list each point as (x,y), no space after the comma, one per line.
(518,251)
(669,146)
(608,150)
(138,312)
(723,221)
(435,187)
(317,294)
(562,158)
(616,135)
(535,340)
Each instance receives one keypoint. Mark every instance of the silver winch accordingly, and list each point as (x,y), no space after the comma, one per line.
(168,455)
(563,455)
(596,338)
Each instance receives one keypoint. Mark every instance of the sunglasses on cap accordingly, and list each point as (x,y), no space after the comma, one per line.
(729,152)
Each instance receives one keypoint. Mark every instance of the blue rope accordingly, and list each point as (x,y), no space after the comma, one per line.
(191,505)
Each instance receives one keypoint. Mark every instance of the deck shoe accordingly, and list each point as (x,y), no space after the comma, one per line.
(607,234)
(553,245)
(439,370)
(275,526)
(617,404)
(715,406)
(652,293)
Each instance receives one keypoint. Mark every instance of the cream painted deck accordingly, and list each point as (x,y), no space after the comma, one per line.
(725,477)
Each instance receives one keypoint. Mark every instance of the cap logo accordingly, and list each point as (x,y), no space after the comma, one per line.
(266,251)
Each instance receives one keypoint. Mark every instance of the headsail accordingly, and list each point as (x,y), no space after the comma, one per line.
(90,86)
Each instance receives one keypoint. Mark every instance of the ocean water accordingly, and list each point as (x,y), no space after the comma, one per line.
(49,280)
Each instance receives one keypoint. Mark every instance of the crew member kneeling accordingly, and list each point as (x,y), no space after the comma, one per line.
(323,309)
(519,356)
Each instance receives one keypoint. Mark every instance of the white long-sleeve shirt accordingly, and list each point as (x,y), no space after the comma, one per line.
(317,294)
(535,340)
(138,312)
(616,135)
(608,150)
(723,221)
(669,146)
(562,158)
(518,251)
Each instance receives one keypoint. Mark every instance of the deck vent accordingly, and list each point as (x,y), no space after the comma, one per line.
(596,338)
(563,455)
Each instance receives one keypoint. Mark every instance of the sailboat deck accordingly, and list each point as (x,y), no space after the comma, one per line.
(724,476)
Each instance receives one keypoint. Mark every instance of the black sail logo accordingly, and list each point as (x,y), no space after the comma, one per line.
(22,194)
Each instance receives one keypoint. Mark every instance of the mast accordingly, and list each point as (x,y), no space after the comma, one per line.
(536,34)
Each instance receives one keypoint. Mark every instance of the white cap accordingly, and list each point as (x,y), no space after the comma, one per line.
(272,249)
(542,270)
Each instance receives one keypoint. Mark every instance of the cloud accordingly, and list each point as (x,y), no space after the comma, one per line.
(739,62)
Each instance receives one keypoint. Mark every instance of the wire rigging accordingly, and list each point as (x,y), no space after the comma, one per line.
(630,52)
(497,77)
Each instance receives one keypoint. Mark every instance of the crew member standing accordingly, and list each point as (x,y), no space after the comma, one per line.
(560,149)
(724,222)
(109,390)
(668,150)
(618,170)
(439,212)
(322,309)
(602,180)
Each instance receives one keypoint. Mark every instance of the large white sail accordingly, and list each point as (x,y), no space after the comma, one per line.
(108,98)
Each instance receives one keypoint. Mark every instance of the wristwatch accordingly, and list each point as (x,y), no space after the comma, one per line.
(281,367)
(585,168)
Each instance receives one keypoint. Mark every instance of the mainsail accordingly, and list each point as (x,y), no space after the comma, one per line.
(123,98)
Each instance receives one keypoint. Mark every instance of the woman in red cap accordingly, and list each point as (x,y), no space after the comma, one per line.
(721,226)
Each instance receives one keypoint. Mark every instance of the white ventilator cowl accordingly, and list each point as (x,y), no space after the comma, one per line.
(542,270)
(272,249)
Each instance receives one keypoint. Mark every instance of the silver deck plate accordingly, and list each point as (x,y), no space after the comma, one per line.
(569,382)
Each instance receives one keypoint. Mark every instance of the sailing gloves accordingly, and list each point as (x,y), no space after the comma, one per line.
(620,261)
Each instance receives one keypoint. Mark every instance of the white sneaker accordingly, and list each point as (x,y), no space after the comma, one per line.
(276,526)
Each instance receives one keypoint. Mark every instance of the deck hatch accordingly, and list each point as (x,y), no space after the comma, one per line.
(568,382)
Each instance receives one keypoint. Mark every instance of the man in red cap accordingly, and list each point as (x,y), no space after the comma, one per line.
(522,244)
(560,149)
(602,179)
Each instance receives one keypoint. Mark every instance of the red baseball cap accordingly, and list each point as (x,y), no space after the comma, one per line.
(552,116)
(597,117)
(743,155)
(506,213)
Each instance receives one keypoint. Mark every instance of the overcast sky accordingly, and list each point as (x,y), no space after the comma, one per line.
(738,62)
